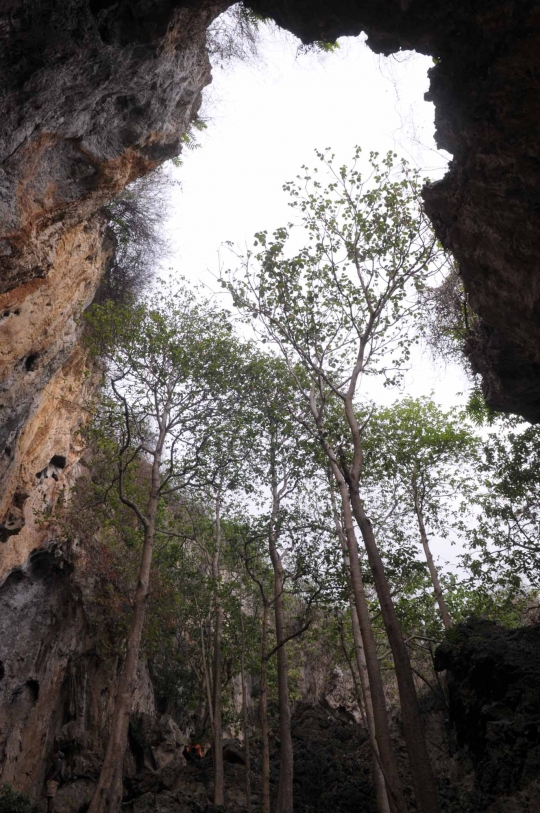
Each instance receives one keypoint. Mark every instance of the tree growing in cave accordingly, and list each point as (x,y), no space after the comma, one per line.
(504,548)
(167,365)
(280,462)
(419,458)
(224,471)
(370,678)
(344,307)
(135,228)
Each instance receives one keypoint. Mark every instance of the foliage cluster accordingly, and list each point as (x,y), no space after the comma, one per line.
(324,295)
(135,223)
(247,470)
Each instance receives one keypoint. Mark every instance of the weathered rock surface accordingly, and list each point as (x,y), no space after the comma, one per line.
(494,695)
(332,771)
(332,762)
(44,390)
(92,95)
(57,691)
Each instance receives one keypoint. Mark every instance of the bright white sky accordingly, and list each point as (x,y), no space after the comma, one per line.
(265,118)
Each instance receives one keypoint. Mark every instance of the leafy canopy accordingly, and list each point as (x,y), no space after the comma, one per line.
(346,303)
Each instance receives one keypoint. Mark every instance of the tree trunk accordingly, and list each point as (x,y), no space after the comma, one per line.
(284,802)
(263,712)
(207,682)
(245,717)
(365,705)
(108,794)
(383,805)
(437,588)
(219,783)
(384,747)
(286,757)
(421,773)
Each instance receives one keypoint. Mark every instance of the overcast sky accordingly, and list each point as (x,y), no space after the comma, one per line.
(265,118)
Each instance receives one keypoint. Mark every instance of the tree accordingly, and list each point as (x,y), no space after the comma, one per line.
(135,228)
(167,364)
(504,538)
(419,458)
(344,307)
(449,321)
(232,478)
(234,35)
(224,471)
(289,594)
(245,721)
(206,533)
(363,636)
(279,461)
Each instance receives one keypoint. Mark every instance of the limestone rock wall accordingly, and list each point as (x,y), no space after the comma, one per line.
(92,95)
(494,705)
(45,388)
(55,690)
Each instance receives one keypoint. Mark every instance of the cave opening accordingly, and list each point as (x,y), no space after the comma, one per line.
(31,362)
(33,690)
(265,145)
(265,117)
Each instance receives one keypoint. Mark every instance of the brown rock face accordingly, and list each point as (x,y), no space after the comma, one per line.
(93,94)
(44,385)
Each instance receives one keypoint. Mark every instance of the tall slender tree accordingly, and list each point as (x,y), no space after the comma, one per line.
(374,701)
(280,460)
(342,308)
(419,458)
(166,367)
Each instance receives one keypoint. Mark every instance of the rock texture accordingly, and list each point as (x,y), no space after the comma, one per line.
(95,93)
(56,690)
(494,696)
(45,387)
(92,95)
(332,768)
(53,689)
